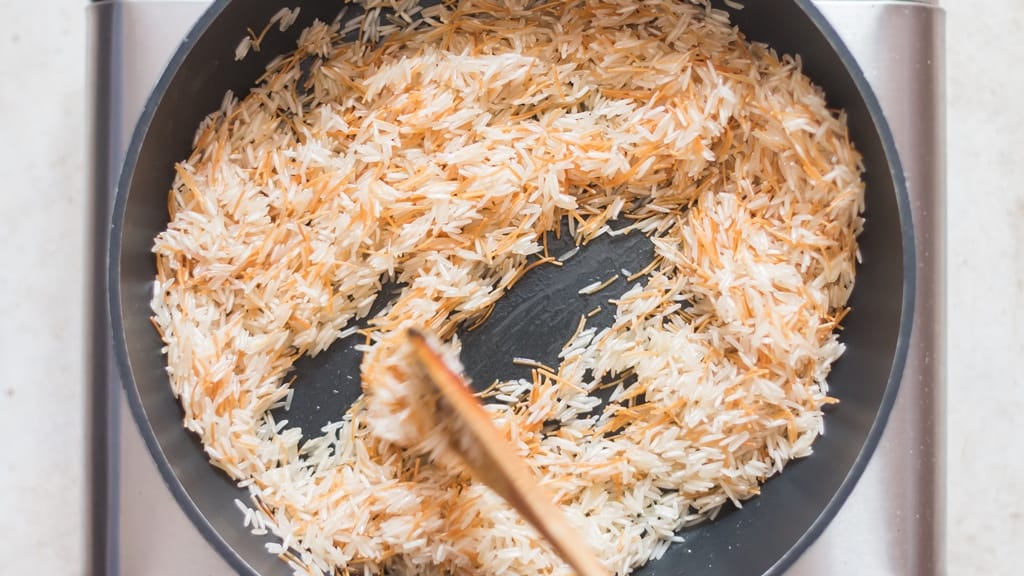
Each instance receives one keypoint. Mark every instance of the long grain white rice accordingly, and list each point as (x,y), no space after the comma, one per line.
(436,152)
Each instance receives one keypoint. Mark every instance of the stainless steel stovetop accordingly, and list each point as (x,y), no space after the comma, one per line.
(891,525)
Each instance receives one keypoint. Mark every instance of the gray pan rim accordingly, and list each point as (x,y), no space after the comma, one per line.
(783,563)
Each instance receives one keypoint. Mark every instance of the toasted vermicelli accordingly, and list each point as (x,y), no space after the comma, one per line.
(435,152)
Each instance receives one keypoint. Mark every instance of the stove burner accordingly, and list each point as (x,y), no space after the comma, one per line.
(892,523)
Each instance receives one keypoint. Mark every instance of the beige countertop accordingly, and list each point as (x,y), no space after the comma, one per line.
(42,250)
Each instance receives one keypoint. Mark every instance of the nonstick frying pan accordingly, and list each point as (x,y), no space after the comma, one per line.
(764,537)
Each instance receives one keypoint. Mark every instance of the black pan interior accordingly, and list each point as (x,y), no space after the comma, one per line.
(764,537)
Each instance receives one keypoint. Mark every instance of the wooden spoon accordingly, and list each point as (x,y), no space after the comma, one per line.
(492,461)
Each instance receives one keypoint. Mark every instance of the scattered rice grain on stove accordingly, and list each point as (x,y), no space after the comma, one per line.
(435,153)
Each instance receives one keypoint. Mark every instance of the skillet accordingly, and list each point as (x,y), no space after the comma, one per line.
(764,537)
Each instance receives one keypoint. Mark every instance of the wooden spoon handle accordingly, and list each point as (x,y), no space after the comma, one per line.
(492,460)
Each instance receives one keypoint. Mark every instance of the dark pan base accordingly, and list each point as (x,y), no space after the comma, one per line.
(764,537)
